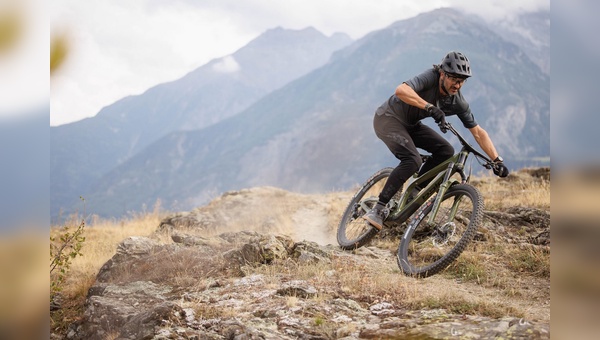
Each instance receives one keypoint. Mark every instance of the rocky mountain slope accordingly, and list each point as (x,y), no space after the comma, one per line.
(315,134)
(262,263)
(531,32)
(84,151)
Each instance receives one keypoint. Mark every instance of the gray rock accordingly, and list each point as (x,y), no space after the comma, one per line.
(297,288)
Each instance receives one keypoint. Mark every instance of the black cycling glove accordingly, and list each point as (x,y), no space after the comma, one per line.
(500,169)
(438,116)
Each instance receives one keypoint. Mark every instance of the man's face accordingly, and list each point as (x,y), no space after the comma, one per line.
(452,83)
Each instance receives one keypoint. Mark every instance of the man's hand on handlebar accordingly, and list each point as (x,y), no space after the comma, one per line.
(438,116)
(500,169)
(443,126)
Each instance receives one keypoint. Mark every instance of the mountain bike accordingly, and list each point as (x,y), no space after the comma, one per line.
(439,220)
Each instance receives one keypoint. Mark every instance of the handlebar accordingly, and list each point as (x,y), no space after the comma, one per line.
(488,163)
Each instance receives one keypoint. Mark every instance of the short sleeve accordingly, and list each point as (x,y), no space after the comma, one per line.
(467,119)
(423,81)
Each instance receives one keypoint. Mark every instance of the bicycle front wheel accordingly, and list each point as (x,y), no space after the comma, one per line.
(353,231)
(426,249)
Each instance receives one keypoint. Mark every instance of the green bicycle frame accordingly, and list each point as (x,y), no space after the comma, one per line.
(441,183)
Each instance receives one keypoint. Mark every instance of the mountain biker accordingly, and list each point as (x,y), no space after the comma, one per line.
(434,93)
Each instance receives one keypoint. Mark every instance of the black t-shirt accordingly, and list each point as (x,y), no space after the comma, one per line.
(426,85)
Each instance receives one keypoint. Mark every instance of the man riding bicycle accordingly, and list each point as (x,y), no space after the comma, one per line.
(434,93)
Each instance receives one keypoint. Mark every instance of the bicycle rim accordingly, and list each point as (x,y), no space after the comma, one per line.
(427,249)
(353,231)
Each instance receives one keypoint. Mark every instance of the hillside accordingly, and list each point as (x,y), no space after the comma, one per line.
(262,263)
(84,151)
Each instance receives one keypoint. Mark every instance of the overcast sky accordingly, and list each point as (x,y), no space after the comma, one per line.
(121,48)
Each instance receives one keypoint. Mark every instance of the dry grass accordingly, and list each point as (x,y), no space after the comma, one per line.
(344,277)
(381,281)
(102,238)
(519,189)
(207,311)
(463,304)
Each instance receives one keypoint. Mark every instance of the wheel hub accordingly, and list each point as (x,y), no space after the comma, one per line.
(442,234)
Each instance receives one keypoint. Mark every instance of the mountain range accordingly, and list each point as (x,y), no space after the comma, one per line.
(84,151)
(259,118)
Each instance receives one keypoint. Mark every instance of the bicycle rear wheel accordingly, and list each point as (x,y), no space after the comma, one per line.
(353,231)
(427,249)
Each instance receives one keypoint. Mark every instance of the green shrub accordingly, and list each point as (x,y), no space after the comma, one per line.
(64,247)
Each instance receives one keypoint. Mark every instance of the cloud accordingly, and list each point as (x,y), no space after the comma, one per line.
(227,64)
(354,17)
(123,48)
(499,9)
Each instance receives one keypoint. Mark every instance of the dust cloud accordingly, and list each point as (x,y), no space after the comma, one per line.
(271,210)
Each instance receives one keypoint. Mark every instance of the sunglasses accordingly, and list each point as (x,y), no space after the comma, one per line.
(455,80)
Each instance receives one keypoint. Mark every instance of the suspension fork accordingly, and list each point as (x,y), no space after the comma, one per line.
(447,182)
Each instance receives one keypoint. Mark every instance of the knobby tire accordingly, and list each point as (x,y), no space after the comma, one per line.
(354,231)
(425,250)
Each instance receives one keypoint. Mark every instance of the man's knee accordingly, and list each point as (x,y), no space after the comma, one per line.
(412,164)
(445,151)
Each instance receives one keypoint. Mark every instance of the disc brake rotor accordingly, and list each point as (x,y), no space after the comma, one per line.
(443,234)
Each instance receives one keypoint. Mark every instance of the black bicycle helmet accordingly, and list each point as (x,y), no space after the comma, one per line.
(456,64)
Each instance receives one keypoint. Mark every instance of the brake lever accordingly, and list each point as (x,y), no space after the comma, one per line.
(490,165)
(443,127)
